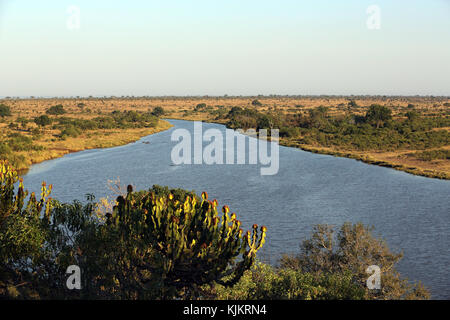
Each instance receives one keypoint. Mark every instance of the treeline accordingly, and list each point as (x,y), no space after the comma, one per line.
(16,141)
(172,244)
(376,130)
(116,120)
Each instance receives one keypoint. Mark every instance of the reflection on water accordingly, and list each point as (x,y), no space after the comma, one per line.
(412,213)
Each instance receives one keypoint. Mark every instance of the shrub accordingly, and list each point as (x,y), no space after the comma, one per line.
(5,150)
(433,155)
(158,111)
(25,246)
(264,282)
(70,131)
(5,111)
(175,245)
(289,132)
(378,115)
(56,110)
(19,142)
(200,106)
(351,251)
(42,121)
(256,103)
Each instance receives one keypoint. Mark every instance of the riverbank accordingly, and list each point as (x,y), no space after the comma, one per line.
(400,160)
(374,159)
(97,139)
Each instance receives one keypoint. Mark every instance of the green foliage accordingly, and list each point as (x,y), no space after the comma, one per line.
(378,115)
(374,131)
(70,131)
(19,142)
(158,111)
(117,120)
(178,245)
(289,132)
(56,110)
(352,104)
(27,241)
(264,282)
(350,252)
(5,111)
(443,154)
(43,120)
(200,106)
(256,103)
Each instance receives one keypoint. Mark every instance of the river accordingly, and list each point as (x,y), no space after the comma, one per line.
(412,213)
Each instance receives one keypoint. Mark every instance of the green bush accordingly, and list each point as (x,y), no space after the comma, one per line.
(56,110)
(5,111)
(43,121)
(350,252)
(433,155)
(70,131)
(264,282)
(256,103)
(19,142)
(158,111)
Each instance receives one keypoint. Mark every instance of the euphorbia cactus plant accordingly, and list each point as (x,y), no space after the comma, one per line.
(196,245)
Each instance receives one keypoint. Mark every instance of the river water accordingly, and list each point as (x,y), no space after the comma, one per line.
(412,213)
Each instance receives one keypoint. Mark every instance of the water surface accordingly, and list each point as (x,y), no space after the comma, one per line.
(412,213)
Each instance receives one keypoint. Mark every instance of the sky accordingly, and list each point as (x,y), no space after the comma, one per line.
(218,47)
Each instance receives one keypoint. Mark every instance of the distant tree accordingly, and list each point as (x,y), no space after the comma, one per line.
(42,121)
(352,104)
(256,103)
(158,111)
(5,111)
(378,115)
(412,115)
(200,106)
(23,121)
(56,110)
(81,105)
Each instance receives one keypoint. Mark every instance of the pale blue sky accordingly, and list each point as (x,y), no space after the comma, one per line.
(217,47)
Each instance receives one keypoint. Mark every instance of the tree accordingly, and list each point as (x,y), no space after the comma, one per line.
(43,120)
(56,110)
(412,115)
(158,111)
(5,111)
(378,115)
(256,103)
(200,106)
(29,249)
(352,251)
(171,247)
(352,104)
